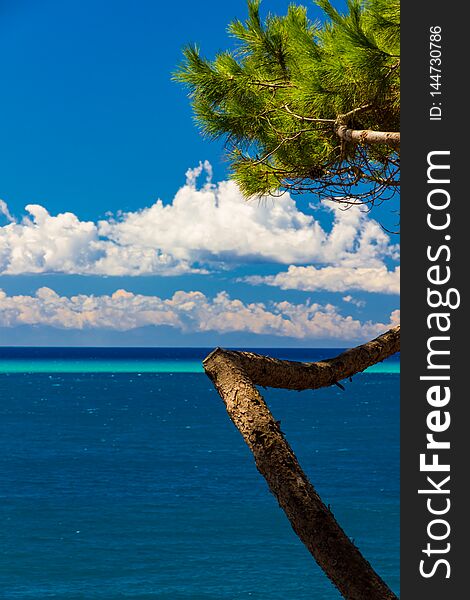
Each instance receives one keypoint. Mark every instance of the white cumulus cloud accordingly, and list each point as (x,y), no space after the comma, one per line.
(186,311)
(334,279)
(200,230)
(4,211)
(354,301)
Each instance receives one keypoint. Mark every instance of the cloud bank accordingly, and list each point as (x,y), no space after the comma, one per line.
(334,279)
(186,311)
(202,229)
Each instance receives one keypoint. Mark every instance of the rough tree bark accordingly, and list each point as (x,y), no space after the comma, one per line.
(235,375)
(368,136)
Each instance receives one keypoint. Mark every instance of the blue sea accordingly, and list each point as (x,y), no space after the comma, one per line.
(123,477)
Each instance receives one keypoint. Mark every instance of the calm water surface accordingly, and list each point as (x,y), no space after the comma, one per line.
(137,485)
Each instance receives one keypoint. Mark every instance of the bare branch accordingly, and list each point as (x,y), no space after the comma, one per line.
(281,143)
(272,372)
(368,136)
(310,119)
(234,375)
(354,111)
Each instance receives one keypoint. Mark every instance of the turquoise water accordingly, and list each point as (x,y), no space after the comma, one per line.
(129,366)
(141,360)
(100,366)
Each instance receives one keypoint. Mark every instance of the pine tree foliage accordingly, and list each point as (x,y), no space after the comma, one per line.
(296,100)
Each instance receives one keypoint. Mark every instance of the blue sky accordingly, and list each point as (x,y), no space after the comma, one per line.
(91,124)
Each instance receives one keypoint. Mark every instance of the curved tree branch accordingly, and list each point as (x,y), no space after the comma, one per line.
(272,372)
(235,375)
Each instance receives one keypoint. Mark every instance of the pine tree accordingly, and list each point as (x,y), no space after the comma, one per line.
(306,106)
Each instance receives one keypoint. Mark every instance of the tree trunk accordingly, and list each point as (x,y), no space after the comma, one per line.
(235,375)
(368,136)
